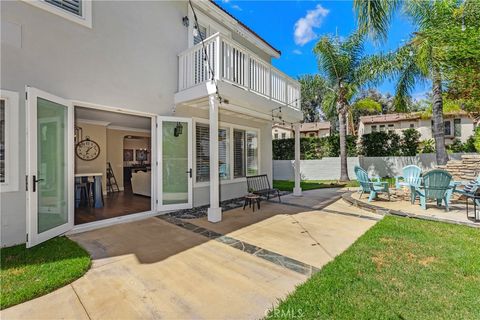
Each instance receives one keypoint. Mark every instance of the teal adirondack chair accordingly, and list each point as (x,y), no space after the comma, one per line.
(436,183)
(367,185)
(411,177)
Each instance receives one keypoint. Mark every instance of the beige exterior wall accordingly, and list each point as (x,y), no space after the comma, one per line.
(424,127)
(278,132)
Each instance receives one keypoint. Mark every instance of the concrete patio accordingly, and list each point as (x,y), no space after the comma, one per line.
(398,206)
(238,268)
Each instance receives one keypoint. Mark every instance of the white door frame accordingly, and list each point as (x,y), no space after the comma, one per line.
(154,168)
(33,237)
(170,207)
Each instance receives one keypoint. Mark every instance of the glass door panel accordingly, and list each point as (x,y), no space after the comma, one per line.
(176,163)
(52,170)
(50,166)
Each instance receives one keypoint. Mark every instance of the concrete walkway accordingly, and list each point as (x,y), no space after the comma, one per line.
(155,269)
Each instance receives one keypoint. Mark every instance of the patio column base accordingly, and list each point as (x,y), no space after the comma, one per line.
(297,192)
(214,214)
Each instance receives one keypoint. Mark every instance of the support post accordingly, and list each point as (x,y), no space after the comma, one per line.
(297,190)
(214,211)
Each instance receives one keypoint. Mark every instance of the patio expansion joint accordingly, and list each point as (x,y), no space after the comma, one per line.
(80,300)
(259,252)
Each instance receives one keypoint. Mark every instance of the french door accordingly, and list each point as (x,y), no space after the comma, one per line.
(174,136)
(50,197)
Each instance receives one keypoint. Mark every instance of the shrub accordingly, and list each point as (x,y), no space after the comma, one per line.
(427,146)
(313,148)
(410,142)
(380,144)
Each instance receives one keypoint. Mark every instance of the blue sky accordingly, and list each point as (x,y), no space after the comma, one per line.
(294,26)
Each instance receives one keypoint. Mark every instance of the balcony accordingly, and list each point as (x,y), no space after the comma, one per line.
(236,66)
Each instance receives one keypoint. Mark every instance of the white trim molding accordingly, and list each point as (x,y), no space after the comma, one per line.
(11,141)
(85,19)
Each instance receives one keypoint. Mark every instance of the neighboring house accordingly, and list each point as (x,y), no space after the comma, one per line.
(457,125)
(313,129)
(142,63)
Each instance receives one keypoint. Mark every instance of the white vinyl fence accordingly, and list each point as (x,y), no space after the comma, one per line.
(329,168)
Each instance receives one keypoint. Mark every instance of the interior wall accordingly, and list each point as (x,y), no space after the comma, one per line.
(98,134)
(115,140)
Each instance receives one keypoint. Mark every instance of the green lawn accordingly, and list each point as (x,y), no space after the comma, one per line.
(29,273)
(287,185)
(400,269)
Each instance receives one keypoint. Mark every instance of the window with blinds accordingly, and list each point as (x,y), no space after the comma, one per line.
(72,6)
(238,153)
(202,155)
(202,34)
(202,152)
(252,154)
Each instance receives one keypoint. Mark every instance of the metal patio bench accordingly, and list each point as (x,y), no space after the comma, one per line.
(260,185)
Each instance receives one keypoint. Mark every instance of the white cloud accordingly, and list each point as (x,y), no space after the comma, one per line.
(296,51)
(236,7)
(304,26)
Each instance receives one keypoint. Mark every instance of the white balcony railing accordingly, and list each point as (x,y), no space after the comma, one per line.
(232,63)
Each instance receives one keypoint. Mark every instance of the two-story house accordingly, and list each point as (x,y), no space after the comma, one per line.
(310,129)
(173,99)
(458,125)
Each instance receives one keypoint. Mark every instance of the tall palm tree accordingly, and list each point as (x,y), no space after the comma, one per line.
(346,70)
(420,57)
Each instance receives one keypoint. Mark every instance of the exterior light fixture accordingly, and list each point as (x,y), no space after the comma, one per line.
(178,129)
(186,21)
(195,31)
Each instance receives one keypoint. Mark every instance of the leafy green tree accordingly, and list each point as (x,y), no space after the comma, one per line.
(410,142)
(346,70)
(428,54)
(362,107)
(313,90)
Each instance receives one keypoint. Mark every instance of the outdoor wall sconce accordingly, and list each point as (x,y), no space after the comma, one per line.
(178,130)
(186,21)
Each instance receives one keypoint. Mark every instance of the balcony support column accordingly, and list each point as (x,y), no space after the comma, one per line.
(215,210)
(297,190)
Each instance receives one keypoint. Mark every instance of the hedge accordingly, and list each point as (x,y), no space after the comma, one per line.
(313,148)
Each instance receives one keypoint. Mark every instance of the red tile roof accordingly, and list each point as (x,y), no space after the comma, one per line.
(393,117)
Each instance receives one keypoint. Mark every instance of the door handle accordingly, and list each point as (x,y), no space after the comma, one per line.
(189,172)
(35,180)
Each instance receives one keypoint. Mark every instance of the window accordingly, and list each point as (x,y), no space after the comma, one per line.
(312,134)
(238,153)
(202,34)
(391,128)
(284,135)
(79,11)
(202,138)
(252,154)
(374,128)
(8,141)
(457,127)
(448,128)
(275,136)
(73,6)
(412,125)
(382,127)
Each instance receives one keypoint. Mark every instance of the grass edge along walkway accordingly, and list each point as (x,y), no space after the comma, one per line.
(400,269)
(29,273)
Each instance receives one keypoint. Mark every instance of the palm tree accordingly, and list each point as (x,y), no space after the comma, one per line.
(346,70)
(418,59)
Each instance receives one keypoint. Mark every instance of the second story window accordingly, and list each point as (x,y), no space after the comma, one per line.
(72,6)
(79,11)
(200,34)
(374,128)
(284,135)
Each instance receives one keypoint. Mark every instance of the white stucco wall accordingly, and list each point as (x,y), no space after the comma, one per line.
(127,60)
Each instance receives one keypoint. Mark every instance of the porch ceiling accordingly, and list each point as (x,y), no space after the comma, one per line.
(237,101)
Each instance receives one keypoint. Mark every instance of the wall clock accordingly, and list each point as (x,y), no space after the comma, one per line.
(87,149)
